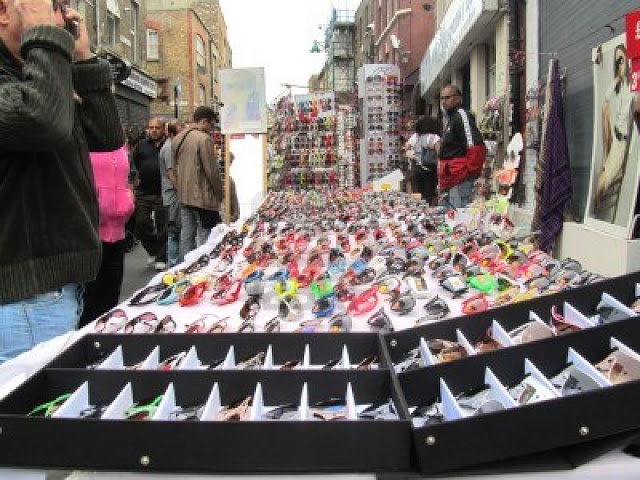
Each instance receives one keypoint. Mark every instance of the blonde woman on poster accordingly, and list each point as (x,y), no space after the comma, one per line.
(615,129)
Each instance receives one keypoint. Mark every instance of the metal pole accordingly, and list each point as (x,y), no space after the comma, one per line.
(175,101)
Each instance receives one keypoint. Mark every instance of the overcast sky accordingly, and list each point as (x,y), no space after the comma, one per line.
(278,35)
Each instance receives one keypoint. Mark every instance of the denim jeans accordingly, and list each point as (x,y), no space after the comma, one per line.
(29,322)
(192,233)
(460,195)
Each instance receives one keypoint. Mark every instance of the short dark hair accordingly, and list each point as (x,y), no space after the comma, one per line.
(172,127)
(427,124)
(455,88)
(204,112)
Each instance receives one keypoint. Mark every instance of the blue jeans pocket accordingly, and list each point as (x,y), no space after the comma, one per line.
(38,319)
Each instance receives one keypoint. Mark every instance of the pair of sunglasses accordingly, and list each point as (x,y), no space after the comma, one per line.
(144,409)
(236,411)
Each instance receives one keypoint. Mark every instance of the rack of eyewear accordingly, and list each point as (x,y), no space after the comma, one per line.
(405,400)
(379,90)
(348,164)
(307,143)
(283,125)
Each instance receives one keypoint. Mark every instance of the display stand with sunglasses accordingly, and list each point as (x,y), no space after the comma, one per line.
(379,92)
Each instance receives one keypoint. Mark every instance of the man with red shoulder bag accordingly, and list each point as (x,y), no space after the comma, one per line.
(462,150)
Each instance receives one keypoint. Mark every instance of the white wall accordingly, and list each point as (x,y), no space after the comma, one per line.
(247,172)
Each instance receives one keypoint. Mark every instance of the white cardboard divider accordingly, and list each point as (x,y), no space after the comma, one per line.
(115,361)
(213,406)
(167,404)
(230,360)
(498,390)
(350,404)
(617,344)
(572,315)
(617,304)
(425,353)
(191,360)
(578,360)
(78,401)
(533,317)
(124,400)
(152,361)
(303,409)
(268,359)
(450,408)
(257,404)
(500,335)
(531,369)
(462,340)
(306,357)
(345,362)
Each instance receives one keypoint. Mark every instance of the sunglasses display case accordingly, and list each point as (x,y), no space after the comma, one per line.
(288,415)
(556,394)
(305,142)
(379,90)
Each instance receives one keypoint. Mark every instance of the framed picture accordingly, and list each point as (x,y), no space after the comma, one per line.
(242,91)
(615,168)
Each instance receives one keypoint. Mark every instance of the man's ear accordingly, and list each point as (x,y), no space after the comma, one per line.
(4,12)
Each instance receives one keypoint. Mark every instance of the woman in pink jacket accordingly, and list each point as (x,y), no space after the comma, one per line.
(116,203)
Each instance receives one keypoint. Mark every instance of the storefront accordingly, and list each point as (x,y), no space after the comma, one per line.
(468,49)
(133,98)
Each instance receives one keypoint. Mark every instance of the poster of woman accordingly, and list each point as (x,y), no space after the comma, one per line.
(614,170)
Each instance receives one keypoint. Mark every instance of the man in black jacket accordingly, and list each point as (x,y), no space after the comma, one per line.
(462,150)
(151,213)
(55,105)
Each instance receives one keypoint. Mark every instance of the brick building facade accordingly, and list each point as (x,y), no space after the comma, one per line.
(183,54)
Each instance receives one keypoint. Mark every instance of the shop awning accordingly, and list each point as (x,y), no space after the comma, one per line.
(463,21)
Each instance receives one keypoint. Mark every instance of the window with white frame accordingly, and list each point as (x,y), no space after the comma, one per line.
(134,31)
(202,95)
(200,54)
(153,45)
(113,29)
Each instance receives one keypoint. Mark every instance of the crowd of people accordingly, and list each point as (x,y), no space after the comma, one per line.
(446,158)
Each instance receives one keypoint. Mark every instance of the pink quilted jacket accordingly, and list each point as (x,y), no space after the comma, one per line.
(111,171)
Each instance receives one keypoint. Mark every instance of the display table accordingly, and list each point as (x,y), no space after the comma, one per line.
(119,372)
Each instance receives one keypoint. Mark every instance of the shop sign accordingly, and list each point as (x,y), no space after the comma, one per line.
(456,24)
(633,34)
(142,83)
(635,74)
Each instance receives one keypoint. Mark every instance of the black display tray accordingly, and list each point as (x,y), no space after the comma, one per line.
(558,433)
(571,429)
(233,447)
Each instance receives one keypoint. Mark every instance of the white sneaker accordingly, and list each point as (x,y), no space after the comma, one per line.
(161,266)
(151,260)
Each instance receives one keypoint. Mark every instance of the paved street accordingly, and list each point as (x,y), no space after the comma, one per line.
(136,272)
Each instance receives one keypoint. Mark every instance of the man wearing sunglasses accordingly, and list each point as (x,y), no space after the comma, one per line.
(56,105)
(462,149)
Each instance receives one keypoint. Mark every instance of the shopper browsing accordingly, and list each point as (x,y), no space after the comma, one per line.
(199,182)
(170,192)
(111,173)
(151,214)
(462,150)
(49,230)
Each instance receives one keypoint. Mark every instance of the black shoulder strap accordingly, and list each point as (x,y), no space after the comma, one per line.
(182,141)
